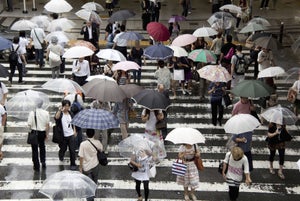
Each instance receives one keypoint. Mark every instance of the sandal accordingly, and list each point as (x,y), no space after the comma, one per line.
(280,175)
(140,199)
(186,198)
(272,171)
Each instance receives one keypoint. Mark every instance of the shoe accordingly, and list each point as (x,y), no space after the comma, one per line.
(36,169)
(140,199)
(183,92)
(73,167)
(193,197)
(22,82)
(280,175)
(272,171)
(186,198)
(9,84)
(44,165)
(220,122)
(189,92)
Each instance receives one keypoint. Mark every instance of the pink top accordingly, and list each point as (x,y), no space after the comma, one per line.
(240,108)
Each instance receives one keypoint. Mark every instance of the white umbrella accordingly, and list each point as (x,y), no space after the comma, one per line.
(260,20)
(89,15)
(241,123)
(178,51)
(58,6)
(100,77)
(280,115)
(63,85)
(232,8)
(92,6)
(252,28)
(78,52)
(111,55)
(185,135)
(61,36)
(271,72)
(44,19)
(61,24)
(23,25)
(184,39)
(125,66)
(205,32)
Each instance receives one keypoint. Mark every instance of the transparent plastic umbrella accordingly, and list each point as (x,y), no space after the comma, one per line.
(93,6)
(280,115)
(58,6)
(62,85)
(23,25)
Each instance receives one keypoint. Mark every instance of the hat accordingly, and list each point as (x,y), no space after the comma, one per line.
(54,40)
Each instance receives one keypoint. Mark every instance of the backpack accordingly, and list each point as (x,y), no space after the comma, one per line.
(76,107)
(13,56)
(229,54)
(241,65)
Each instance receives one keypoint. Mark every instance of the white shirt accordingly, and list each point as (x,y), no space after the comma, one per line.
(2,112)
(296,86)
(120,42)
(3,90)
(81,69)
(151,123)
(23,42)
(66,125)
(38,36)
(89,154)
(236,168)
(19,51)
(265,58)
(42,119)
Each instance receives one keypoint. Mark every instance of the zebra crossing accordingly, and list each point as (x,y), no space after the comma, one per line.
(19,182)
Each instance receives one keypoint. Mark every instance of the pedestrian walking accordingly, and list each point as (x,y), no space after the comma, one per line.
(121,109)
(243,106)
(136,54)
(37,36)
(216,45)
(239,66)
(236,163)
(216,91)
(155,7)
(38,121)
(172,65)
(264,4)
(55,61)
(265,59)
(23,44)
(163,75)
(81,70)
(296,88)
(90,33)
(3,117)
(63,119)
(119,43)
(89,164)
(190,180)
(109,6)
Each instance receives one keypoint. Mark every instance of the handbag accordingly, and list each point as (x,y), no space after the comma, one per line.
(152,171)
(179,168)
(101,156)
(32,137)
(178,74)
(54,57)
(226,100)
(220,169)
(195,76)
(132,167)
(56,134)
(198,161)
(284,136)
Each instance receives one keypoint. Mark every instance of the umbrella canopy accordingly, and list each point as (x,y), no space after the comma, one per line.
(60,24)
(202,55)
(95,119)
(62,85)
(23,25)
(125,66)
(185,136)
(205,32)
(131,35)
(258,35)
(295,45)
(223,19)
(280,115)
(78,52)
(158,51)
(111,55)
(176,18)
(252,88)
(252,28)
(267,42)
(131,89)
(152,100)
(24,102)
(58,6)
(121,15)
(104,90)
(83,43)
(158,31)
(61,36)
(292,74)
(231,8)
(44,19)
(3,71)
(68,184)
(5,43)
(178,51)
(100,77)
(184,39)
(271,72)
(93,6)
(260,20)
(89,15)
(241,123)
(214,73)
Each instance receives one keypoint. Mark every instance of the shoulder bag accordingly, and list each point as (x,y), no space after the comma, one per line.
(220,169)
(54,57)
(32,137)
(43,44)
(179,168)
(198,161)
(101,156)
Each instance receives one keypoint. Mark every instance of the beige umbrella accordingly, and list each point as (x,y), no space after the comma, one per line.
(23,25)
(78,52)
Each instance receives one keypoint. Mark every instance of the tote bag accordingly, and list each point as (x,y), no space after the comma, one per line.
(54,57)
(178,74)
(179,168)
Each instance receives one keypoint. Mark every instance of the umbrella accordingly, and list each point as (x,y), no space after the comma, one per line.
(111,55)
(60,24)
(260,20)
(89,15)
(131,89)
(214,73)
(5,43)
(222,16)
(68,184)
(205,32)
(61,36)
(231,8)
(121,15)
(83,43)
(252,28)
(280,115)
(95,119)
(78,52)
(3,71)
(104,90)
(292,74)
(267,42)
(176,18)
(241,123)
(93,6)
(185,135)
(152,100)
(158,51)
(58,6)
(184,39)
(21,104)
(260,34)
(100,77)
(23,25)
(271,72)
(125,66)
(202,55)
(252,88)
(178,51)
(62,85)
(158,31)
(131,35)
(295,45)
(41,18)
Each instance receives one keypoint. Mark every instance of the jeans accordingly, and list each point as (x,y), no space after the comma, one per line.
(39,57)
(64,144)
(35,150)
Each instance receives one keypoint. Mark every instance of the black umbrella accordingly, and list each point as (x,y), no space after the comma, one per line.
(121,15)
(3,71)
(152,100)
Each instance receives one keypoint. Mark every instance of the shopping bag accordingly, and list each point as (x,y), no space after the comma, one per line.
(152,171)
(178,74)
(179,168)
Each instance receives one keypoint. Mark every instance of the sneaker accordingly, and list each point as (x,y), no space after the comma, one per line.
(193,197)
(189,92)
(183,92)
(281,175)
(272,171)
(73,167)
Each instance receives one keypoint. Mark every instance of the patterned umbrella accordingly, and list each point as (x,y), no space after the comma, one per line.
(184,39)
(214,73)
(202,55)
(158,51)
(95,119)
(158,31)
(280,115)
(83,43)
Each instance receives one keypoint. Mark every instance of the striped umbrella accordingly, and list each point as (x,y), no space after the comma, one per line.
(202,55)
(214,73)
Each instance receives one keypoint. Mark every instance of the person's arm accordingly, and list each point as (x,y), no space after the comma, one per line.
(81,164)
(275,133)
(4,117)
(47,130)
(233,62)
(4,97)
